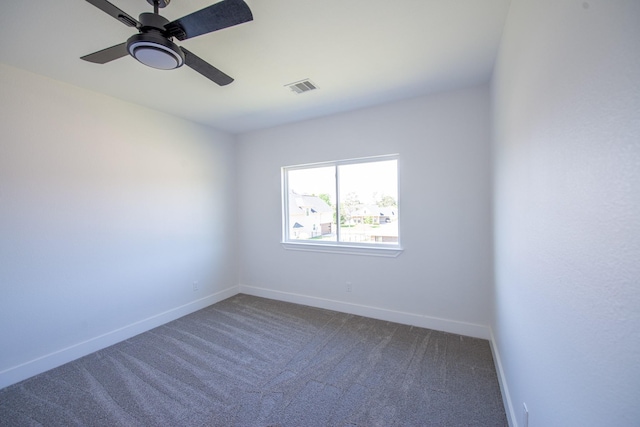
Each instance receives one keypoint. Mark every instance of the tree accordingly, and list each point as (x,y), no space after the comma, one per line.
(348,206)
(326,198)
(387,201)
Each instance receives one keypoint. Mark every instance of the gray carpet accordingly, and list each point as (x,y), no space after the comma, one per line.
(250,361)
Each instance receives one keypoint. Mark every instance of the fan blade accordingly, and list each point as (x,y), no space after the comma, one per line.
(209,71)
(112,10)
(109,54)
(224,14)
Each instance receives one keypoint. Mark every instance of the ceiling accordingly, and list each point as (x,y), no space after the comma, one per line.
(358,52)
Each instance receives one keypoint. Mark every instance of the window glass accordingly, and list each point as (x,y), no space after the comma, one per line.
(368,202)
(311,203)
(350,202)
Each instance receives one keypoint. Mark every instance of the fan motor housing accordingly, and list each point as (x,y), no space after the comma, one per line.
(152,21)
(155,51)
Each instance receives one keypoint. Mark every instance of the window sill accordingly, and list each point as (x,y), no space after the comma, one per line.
(388,252)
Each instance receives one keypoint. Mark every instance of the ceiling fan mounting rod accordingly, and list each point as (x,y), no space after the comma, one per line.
(158,4)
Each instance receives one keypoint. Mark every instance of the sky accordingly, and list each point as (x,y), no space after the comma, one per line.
(364,179)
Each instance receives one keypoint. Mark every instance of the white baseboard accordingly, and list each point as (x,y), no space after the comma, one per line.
(502,381)
(52,360)
(445,325)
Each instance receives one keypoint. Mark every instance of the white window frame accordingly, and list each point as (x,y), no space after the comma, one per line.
(352,248)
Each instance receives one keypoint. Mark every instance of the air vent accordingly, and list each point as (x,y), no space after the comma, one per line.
(302,86)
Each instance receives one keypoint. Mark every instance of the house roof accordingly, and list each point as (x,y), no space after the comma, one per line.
(373,210)
(298,203)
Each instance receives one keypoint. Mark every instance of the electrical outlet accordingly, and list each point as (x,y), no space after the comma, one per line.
(349,288)
(195,286)
(525,415)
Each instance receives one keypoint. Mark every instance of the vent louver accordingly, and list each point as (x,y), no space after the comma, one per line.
(302,86)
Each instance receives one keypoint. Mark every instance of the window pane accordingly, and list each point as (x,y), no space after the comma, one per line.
(312,201)
(369,202)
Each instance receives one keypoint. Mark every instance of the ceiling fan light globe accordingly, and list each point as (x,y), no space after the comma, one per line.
(156,58)
(155,52)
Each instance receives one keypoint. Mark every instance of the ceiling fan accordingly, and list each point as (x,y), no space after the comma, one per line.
(154,46)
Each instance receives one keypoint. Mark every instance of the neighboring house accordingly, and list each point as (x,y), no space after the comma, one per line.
(372,214)
(373,224)
(385,233)
(309,216)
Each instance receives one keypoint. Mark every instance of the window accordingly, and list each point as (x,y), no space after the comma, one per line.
(342,206)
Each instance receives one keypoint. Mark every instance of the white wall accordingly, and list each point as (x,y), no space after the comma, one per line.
(108,213)
(567,211)
(443,279)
